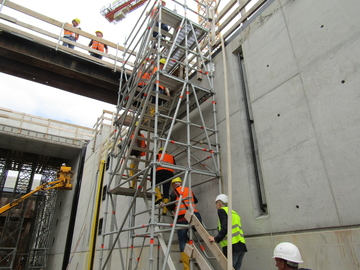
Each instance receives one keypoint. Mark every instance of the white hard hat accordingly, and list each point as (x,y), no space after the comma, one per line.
(288,252)
(222,197)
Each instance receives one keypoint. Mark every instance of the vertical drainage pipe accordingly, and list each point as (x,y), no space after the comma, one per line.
(228,149)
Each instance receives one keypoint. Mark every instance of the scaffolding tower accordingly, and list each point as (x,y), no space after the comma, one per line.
(178,123)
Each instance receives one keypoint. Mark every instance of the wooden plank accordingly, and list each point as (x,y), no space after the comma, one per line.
(237,24)
(161,240)
(214,248)
(232,16)
(193,252)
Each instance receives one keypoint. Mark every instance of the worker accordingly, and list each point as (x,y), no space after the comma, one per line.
(237,239)
(287,257)
(162,174)
(136,153)
(164,26)
(96,45)
(70,35)
(187,203)
(162,89)
(144,79)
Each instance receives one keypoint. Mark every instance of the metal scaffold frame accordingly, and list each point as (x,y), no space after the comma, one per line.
(33,253)
(176,123)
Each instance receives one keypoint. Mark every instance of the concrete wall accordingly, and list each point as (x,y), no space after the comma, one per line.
(301,61)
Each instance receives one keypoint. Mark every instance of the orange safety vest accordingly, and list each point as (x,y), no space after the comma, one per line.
(145,77)
(98,46)
(68,33)
(154,70)
(185,203)
(139,143)
(168,159)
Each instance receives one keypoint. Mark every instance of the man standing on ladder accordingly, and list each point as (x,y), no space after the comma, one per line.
(188,201)
(161,175)
(137,154)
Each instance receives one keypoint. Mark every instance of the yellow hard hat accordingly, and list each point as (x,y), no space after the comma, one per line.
(136,124)
(99,32)
(162,61)
(76,20)
(176,180)
(161,149)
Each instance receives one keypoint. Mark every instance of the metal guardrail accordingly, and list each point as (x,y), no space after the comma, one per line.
(39,128)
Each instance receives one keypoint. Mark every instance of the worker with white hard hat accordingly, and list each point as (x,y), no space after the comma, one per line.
(287,257)
(237,239)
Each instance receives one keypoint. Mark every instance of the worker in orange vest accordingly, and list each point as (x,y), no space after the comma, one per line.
(162,89)
(70,35)
(161,175)
(187,203)
(137,154)
(144,79)
(164,26)
(96,45)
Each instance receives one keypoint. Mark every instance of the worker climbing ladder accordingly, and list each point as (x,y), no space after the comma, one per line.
(166,101)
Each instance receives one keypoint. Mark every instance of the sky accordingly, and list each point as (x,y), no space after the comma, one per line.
(36,99)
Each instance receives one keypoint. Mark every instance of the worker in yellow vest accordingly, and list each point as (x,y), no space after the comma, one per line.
(70,35)
(237,239)
(96,45)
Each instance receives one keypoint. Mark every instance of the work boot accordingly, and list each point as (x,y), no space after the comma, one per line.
(165,200)
(132,173)
(185,261)
(158,195)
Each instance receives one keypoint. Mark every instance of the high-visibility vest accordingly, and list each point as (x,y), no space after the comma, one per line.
(139,143)
(68,33)
(154,70)
(185,203)
(145,77)
(237,234)
(98,46)
(168,159)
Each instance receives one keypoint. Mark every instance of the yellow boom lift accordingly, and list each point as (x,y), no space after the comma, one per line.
(64,178)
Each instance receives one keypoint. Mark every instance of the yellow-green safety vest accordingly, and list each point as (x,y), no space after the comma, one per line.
(237,234)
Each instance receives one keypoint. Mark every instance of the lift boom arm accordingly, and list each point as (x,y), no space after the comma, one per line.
(64,178)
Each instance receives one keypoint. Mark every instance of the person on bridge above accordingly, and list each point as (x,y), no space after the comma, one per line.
(188,202)
(287,257)
(237,239)
(96,45)
(70,35)
(136,153)
(163,174)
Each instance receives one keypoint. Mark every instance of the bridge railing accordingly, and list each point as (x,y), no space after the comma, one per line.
(55,39)
(30,125)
